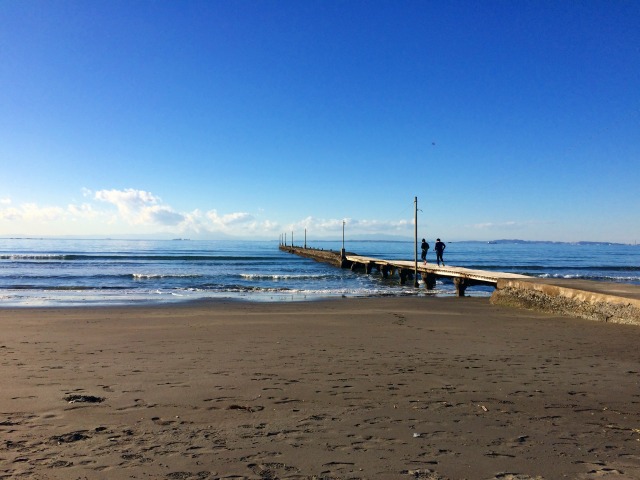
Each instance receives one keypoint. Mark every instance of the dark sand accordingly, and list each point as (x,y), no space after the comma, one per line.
(353,388)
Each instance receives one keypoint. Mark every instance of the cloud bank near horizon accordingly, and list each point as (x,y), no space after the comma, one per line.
(133,211)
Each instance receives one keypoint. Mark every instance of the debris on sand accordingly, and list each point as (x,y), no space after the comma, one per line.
(84,399)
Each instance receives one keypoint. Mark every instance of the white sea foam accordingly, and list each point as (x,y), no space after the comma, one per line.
(150,276)
(28,256)
(274,276)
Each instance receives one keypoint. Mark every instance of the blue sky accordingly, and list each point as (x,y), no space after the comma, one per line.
(202,119)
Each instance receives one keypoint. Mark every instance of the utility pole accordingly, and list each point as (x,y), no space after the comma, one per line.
(415,228)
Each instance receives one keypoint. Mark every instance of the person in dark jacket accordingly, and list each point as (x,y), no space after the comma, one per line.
(425,249)
(440,246)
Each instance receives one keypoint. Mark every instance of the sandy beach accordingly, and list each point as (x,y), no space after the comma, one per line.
(432,388)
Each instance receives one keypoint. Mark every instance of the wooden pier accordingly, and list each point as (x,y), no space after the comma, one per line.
(405,269)
(601,301)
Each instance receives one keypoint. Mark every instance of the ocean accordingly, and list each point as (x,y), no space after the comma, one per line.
(65,272)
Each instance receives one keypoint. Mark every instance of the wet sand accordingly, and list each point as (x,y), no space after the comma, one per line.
(432,388)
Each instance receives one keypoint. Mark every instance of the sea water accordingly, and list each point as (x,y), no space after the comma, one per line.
(48,272)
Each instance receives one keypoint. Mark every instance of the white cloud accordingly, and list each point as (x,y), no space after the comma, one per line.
(85,211)
(332,226)
(139,207)
(495,225)
(129,202)
(5,201)
(192,222)
(261,228)
(132,210)
(381,226)
(11,214)
(31,212)
(228,220)
(267,226)
(161,215)
(510,225)
(239,223)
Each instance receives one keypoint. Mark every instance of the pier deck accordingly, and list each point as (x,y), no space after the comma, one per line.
(462,277)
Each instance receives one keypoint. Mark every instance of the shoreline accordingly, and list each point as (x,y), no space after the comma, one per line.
(263,298)
(391,387)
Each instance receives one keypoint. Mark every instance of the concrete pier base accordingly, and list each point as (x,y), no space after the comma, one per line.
(600,301)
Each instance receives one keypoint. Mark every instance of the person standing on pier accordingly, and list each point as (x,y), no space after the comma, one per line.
(425,249)
(440,246)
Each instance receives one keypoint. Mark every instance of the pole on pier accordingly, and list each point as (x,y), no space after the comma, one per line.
(285,239)
(305,238)
(415,251)
(291,238)
(343,252)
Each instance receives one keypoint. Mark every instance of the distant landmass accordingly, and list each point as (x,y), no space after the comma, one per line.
(503,241)
(544,242)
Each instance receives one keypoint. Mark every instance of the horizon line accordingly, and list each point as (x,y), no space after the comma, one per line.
(150,237)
